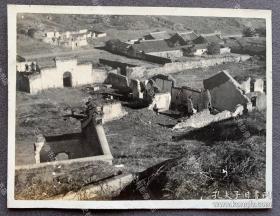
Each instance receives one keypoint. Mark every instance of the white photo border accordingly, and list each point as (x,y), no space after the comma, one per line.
(12,12)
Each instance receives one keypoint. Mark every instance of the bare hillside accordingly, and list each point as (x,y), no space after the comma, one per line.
(173,23)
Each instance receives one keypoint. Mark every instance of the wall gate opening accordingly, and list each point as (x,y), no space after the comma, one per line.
(67,79)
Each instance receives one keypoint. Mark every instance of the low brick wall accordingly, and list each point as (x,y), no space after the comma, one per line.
(143,72)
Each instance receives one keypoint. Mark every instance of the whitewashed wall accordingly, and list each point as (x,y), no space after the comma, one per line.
(82,74)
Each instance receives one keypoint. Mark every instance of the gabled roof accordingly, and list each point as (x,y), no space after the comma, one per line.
(119,45)
(188,36)
(152,46)
(218,79)
(212,38)
(20,59)
(161,35)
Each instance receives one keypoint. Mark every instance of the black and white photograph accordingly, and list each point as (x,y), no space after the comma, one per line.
(139,108)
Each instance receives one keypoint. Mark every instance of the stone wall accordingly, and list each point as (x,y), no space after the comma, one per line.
(258,85)
(164,85)
(116,64)
(113,111)
(246,85)
(135,86)
(225,92)
(99,75)
(161,101)
(153,58)
(172,54)
(22,82)
(81,74)
(118,81)
(202,119)
(258,100)
(71,145)
(200,99)
(143,72)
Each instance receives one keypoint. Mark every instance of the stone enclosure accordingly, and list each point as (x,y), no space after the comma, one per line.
(67,72)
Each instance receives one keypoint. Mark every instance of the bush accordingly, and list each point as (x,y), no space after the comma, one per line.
(213,48)
(201,173)
(189,51)
(31,32)
(249,32)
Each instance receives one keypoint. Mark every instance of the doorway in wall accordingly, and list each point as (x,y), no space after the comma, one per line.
(67,79)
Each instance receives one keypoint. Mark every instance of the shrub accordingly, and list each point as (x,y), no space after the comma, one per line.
(31,32)
(213,48)
(249,32)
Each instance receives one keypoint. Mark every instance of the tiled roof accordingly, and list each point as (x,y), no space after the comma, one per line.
(212,38)
(152,46)
(159,35)
(20,59)
(188,36)
(218,79)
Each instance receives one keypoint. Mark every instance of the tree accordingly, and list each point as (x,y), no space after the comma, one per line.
(189,51)
(249,32)
(213,48)
(31,32)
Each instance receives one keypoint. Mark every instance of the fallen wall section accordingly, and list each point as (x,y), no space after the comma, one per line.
(113,111)
(161,101)
(119,82)
(204,118)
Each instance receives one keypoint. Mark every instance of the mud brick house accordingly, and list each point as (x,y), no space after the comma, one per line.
(62,72)
(142,51)
(200,49)
(213,38)
(185,38)
(160,48)
(72,39)
(226,92)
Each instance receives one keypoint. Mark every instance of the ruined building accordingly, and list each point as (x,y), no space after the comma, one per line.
(190,100)
(91,142)
(226,92)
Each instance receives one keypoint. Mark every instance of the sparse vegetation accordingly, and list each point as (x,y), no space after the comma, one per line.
(248,32)
(216,157)
(213,49)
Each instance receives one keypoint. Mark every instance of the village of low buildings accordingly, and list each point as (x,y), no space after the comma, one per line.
(69,39)
(140,76)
